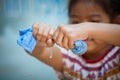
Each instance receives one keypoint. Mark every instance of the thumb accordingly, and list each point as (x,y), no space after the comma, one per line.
(50,43)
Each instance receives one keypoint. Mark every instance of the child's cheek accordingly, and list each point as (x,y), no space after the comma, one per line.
(93,45)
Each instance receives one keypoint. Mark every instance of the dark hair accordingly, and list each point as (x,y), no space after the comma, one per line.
(111,7)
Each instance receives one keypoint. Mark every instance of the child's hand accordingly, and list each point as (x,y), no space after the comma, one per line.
(43,33)
(65,35)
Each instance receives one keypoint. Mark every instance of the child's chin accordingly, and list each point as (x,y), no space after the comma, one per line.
(91,49)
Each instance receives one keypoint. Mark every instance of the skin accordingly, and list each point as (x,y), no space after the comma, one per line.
(43,48)
(65,35)
(83,12)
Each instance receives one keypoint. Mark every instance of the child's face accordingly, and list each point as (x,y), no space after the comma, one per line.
(88,12)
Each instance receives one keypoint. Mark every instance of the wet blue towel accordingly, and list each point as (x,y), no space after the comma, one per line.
(80,47)
(28,42)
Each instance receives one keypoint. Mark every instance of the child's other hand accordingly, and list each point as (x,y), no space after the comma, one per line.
(65,35)
(43,33)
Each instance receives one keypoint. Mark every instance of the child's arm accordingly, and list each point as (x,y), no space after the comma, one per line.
(44,48)
(109,33)
(65,35)
(43,54)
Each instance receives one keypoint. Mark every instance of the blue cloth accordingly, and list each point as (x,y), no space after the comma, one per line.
(28,42)
(80,47)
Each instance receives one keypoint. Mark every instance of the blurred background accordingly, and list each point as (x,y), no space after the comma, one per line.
(15,64)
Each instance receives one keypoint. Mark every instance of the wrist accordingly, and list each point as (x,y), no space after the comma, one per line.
(90,29)
(38,49)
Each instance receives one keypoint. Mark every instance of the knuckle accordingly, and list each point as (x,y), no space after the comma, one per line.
(35,24)
(40,34)
(60,27)
(50,35)
(70,35)
(44,36)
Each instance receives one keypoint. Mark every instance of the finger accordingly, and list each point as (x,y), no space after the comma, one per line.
(55,35)
(59,39)
(40,32)
(35,29)
(50,34)
(45,33)
(65,43)
(50,42)
(71,44)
